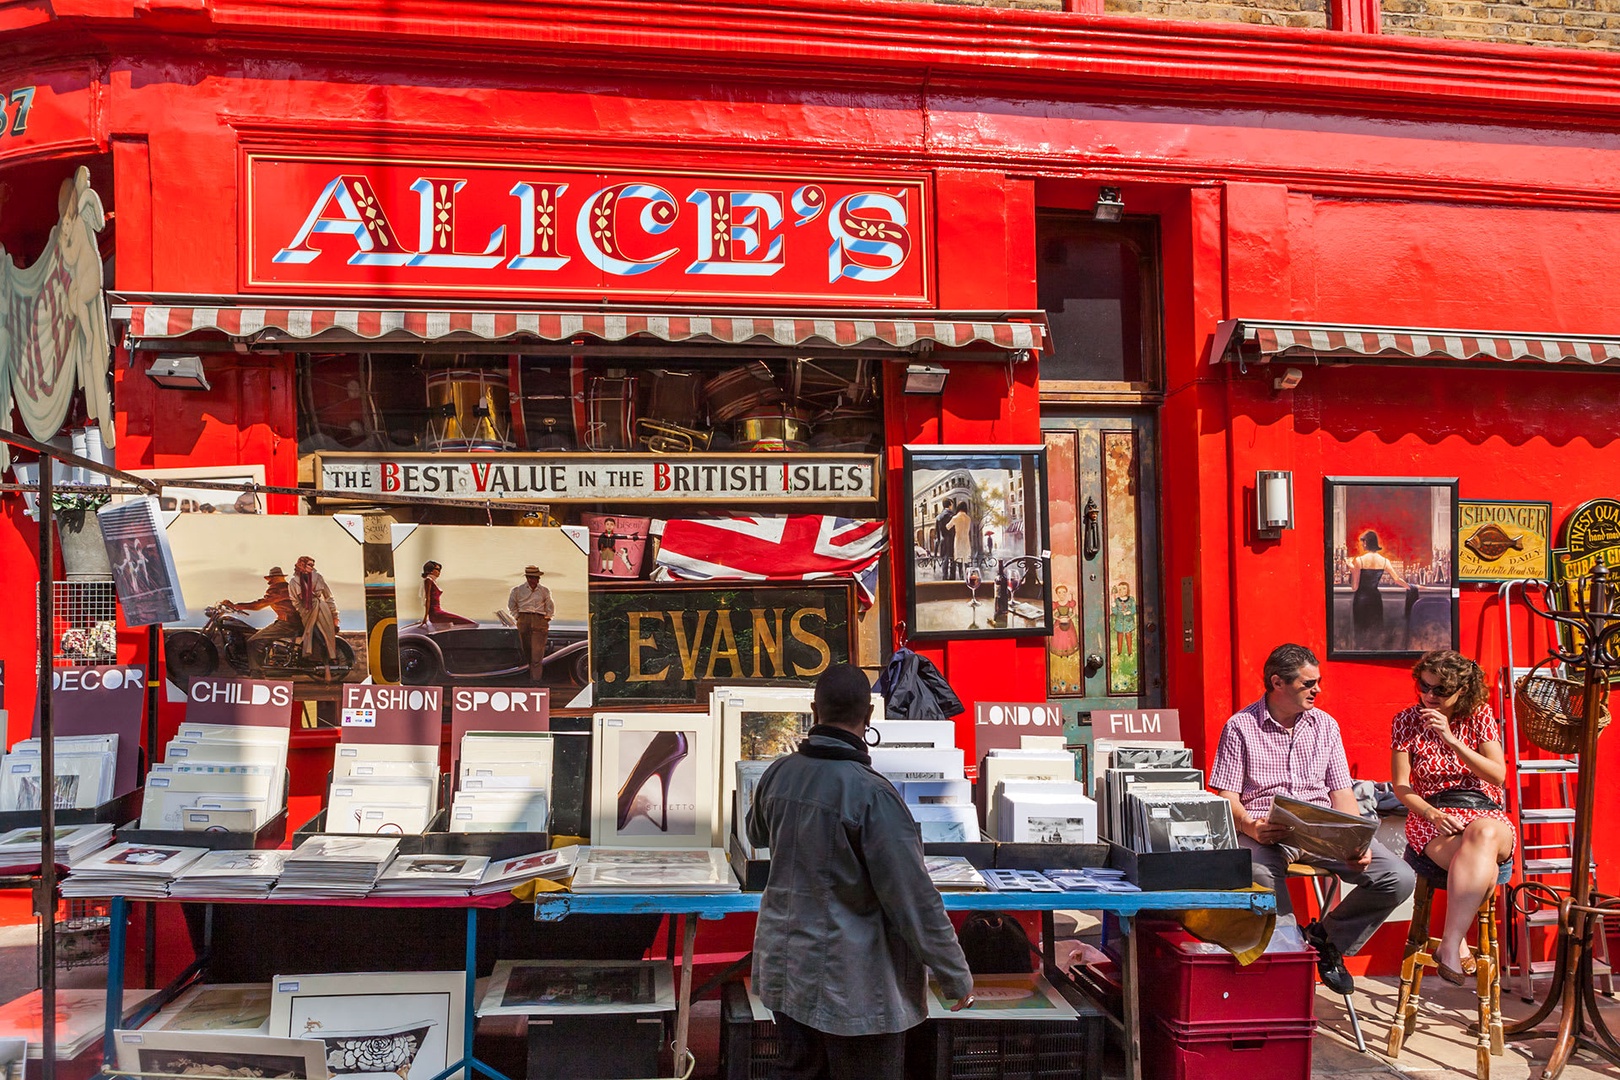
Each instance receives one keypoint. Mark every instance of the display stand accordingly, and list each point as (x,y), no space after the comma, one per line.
(1595,650)
(115,969)
(1126,906)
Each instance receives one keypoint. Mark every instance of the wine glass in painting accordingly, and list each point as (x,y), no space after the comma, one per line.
(973,582)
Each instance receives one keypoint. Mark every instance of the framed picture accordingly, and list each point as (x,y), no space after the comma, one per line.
(657,644)
(1500,540)
(388,1025)
(655,781)
(1020,997)
(976,547)
(212,1053)
(238,1007)
(468,612)
(277,596)
(1391,565)
(578,987)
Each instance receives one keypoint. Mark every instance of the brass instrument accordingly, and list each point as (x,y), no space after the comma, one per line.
(662,438)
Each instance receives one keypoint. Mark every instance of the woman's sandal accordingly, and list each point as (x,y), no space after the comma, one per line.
(1470,968)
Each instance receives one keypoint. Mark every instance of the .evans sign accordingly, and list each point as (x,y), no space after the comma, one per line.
(388,227)
(726,478)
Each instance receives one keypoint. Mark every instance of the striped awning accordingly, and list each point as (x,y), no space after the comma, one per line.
(1246,341)
(165,323)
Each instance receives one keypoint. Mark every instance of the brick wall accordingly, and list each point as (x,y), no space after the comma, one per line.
(1589,24)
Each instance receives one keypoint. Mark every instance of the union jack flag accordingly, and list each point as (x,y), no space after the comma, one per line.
(804,547)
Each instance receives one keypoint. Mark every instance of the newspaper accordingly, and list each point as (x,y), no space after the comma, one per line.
(1321,830)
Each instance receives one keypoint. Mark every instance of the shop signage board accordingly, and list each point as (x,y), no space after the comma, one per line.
(401,715)
(1588,537)
(655,644)
(50,111)
(620,478)
(1001,725)
(1503,541)
(101,700)
(391,227)
(239,702)
(1137,725)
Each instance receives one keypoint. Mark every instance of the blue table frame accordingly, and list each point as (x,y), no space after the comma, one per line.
(119,913)
(550,907)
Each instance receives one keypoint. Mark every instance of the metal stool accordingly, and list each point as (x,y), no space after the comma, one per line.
(1420,955)
(1326,884)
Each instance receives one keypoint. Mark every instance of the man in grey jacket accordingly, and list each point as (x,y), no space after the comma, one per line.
(849,917)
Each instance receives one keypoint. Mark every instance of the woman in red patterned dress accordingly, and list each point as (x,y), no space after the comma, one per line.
(1448,770)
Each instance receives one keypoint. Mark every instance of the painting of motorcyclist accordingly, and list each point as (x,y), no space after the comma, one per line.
(305,622)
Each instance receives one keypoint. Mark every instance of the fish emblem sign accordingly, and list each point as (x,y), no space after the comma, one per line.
(1503,541)
(1491,542)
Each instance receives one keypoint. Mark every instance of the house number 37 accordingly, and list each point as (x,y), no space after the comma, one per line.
(20,101)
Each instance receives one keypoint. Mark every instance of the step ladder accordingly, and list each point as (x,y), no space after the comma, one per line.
(1545,830)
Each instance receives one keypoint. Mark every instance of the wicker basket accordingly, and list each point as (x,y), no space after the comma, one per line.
(1551,710)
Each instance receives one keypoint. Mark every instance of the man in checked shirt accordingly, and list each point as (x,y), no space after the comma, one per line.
(1284,745)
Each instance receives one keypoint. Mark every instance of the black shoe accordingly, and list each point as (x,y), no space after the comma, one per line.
(1329,963)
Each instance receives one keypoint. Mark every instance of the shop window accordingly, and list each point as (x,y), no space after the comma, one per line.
(477,402)
(1098,283)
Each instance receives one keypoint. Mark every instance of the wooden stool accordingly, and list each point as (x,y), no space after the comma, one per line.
(1420,955)
(1326,885)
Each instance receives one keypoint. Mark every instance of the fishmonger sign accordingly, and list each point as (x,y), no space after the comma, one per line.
(729,478)
(380,227)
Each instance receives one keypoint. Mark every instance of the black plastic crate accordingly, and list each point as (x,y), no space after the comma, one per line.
(1009,1049)
(748,1047)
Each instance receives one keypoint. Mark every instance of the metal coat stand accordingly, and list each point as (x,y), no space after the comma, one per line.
(1595,632)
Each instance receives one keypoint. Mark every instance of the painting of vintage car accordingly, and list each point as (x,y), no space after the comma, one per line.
(490,654)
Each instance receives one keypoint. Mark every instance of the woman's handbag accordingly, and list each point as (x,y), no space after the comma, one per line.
(1462,798)
(1551,709)
(995,945)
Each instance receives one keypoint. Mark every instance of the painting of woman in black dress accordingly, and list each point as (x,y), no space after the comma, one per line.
(1391,566)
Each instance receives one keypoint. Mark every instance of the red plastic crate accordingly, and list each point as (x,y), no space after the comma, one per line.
(1275,1051)
(1210,987)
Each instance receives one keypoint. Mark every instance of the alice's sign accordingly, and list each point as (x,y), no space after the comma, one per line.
(657,645)
(720,478)
(391,227)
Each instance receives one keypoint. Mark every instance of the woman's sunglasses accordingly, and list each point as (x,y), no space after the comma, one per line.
(1435,689)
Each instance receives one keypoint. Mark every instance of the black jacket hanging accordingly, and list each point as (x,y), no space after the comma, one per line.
(913,689)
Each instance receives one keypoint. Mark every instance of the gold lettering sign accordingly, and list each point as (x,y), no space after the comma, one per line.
(654,644)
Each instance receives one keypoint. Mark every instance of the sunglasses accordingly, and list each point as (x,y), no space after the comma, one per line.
(1436,689)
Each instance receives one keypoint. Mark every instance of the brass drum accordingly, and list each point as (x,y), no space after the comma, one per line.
(782,429)
(740,392)
(610,413)
(469,410)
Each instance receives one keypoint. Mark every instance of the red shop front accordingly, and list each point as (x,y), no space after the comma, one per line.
(336,213)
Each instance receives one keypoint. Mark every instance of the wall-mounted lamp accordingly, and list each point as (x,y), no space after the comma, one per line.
(1110,207)
(925,379)
(1273,502)
(176,371)
(1290,378)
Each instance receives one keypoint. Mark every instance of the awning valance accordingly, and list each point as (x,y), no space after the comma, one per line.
(1248,341)
(162,324)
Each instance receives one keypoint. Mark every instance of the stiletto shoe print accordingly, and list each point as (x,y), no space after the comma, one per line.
(667,750)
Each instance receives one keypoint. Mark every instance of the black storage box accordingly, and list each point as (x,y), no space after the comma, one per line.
(409,843)
(605,1046)
(1003,1049)
(266,836)
(748,1047)
(1030,856)
(1173,871)
(752,873)
(1008,1049)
